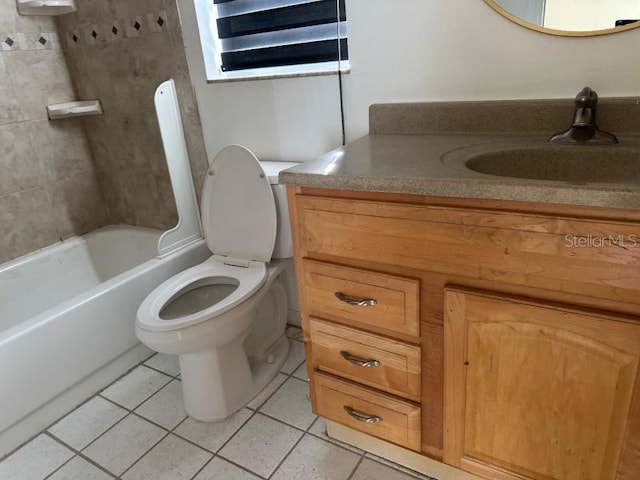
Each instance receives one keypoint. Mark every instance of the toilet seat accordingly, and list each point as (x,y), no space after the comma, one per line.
(249,279)
(239,222)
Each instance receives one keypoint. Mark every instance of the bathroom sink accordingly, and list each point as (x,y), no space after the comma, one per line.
(563,163)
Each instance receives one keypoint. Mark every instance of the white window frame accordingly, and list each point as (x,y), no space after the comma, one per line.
(212,49)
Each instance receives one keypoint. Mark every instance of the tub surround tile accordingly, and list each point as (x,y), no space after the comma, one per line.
(213,436)
(77,205)
(87,422)
(44,80)
(315,459)
(125,141)
(26,223)
(79,469)
(135,387)
(291,404)
(35,460)
(218,469)
(124,444)
(21,169)
(171,459)
(9,105)
(61,147)
(261,445)
(165,407)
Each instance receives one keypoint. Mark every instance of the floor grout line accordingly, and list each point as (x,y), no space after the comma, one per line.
(214,454)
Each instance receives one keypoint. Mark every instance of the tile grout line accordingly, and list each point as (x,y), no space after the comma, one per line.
(353,472)
(77,453)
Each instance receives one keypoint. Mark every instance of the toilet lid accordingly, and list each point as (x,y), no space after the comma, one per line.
(238,208)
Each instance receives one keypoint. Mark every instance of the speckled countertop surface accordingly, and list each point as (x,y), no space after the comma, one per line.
(433,164)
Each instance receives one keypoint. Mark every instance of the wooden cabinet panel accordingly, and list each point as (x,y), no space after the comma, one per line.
(560,254)
(399,421)
(395,311)
(398,364)
(536,391)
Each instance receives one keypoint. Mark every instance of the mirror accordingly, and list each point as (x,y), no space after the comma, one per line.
(571,17)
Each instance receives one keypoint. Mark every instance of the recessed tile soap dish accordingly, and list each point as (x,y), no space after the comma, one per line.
(74,109)
(46,7)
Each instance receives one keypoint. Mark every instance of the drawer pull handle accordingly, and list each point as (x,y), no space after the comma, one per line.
(358,302)
(358,361)
(361,417)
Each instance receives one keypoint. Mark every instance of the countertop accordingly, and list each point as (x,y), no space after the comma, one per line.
(432,164)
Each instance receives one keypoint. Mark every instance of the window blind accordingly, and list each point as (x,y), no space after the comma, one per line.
(276,33)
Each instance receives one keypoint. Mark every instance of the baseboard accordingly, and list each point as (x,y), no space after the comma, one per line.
(31,425)
(389,451)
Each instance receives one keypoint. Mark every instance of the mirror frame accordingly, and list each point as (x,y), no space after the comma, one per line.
(563,33)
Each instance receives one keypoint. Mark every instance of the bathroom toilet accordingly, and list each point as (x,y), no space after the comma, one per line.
(225,318)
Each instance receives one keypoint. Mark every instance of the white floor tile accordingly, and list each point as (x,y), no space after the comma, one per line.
(291,404)
(80,469)
(172,459)
(315,459)
(412,473)
(213,435)
(35,460)
(168,364)
(135,387)
(370,470)
(219,469)
(267,391)
(320,430)
(87,422)
(294,333)
(261,444)
(165,407)
(296,357)
(125,443)
(301,372)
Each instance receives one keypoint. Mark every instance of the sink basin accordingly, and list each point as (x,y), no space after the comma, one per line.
(562,163)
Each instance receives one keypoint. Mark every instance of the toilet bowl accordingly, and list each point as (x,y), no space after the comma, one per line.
(225,318)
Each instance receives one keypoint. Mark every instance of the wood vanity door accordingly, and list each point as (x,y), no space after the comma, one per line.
(538,391)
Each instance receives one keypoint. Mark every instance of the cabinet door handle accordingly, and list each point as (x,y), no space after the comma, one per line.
(359,361)
(358,302)
(362,417)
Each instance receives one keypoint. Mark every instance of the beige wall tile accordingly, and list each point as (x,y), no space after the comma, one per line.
(26,223)
(76,205)
(20,168)
(41,78)
(61,147)
(9,107)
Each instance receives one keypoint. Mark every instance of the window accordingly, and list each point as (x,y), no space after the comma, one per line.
(265,38)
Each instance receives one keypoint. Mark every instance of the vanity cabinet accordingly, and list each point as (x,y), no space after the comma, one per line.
(505,336)
(535,390)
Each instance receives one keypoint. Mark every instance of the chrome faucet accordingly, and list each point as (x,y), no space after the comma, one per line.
(584,128)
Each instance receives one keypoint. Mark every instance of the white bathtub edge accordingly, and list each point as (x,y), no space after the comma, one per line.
(36,422)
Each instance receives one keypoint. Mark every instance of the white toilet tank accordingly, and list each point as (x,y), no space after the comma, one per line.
(283,247)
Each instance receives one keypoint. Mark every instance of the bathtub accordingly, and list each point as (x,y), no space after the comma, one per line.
(67,316)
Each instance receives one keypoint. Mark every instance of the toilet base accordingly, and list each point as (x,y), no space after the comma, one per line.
(218,382)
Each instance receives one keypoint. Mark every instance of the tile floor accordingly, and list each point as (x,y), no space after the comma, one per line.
(136,429)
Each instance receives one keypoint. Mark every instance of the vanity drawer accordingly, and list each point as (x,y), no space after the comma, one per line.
(370,412)
(366,358)
(384,303)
